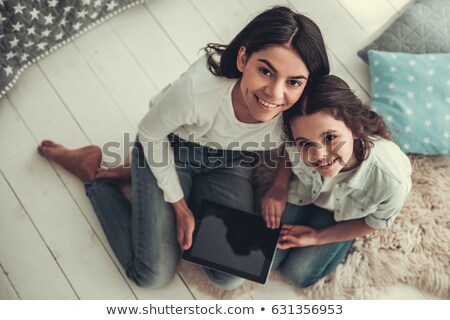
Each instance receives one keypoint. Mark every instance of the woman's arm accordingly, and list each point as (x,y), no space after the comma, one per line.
(274,201)
(303,236)
(170,109)
(185,224)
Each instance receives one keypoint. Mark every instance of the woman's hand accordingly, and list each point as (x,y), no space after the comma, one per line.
(297,236)
(185,224)
(273,204)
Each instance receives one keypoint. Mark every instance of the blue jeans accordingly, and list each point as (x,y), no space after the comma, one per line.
(305,266)
(143,234)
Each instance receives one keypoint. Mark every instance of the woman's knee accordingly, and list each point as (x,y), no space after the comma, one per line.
(145,276)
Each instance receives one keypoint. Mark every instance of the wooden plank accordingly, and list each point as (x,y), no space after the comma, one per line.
(150,46)
(118,71)
(371,15)
(46,117)
(7,291)
(254,7)
(14,137)
(227,18)
(60,126)
(86,98)
(338,69)
(184,25)
(333,22)
(24,256)
(69,237)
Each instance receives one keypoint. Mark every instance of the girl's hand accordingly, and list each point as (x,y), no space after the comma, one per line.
(185,224)
(297,236)
(273,204)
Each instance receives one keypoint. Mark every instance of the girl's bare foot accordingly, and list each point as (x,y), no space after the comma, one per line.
(120,173)
(82,162)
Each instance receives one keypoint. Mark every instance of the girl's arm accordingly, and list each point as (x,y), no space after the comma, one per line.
(274,201)
(303,236)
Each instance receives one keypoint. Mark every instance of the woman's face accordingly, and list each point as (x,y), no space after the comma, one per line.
(324,143)
(273,79)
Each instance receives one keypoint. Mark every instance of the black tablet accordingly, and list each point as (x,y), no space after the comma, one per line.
(233,241)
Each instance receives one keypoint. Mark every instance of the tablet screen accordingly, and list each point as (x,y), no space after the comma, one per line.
(233,241)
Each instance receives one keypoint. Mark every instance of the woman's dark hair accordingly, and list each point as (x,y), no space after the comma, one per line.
(276,26)
(330,94)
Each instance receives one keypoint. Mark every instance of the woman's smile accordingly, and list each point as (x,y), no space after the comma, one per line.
(268,105)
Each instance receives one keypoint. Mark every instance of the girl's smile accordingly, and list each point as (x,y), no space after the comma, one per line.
(273,79)
(327,165)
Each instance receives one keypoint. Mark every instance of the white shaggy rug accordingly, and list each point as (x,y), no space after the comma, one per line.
(416,250)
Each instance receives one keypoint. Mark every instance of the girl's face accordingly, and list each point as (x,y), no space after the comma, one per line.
(324,143)
(273,79)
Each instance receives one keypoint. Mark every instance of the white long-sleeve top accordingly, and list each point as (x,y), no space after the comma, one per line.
(198,107)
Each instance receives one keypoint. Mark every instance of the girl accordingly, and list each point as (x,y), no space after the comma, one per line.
(193,143)
(348,181)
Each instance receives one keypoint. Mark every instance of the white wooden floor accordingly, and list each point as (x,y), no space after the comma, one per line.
(97,88)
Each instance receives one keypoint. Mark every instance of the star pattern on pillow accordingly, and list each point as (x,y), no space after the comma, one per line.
(411,92)
(29,30)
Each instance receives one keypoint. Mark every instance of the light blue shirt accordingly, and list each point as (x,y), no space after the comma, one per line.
(375,191)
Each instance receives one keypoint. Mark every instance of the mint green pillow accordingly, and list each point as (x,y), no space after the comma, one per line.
(412,93)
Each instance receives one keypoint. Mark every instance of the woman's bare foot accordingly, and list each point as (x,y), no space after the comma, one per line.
(120,173)
(82,162)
